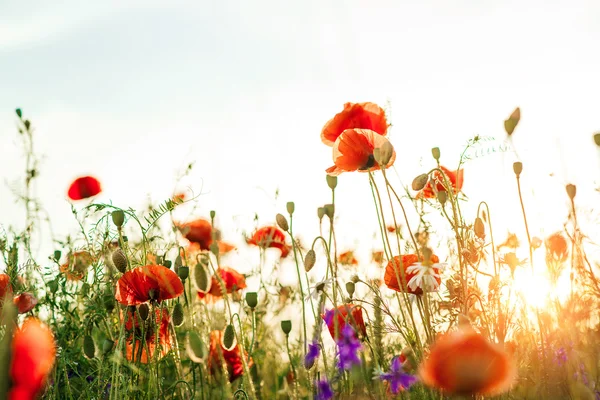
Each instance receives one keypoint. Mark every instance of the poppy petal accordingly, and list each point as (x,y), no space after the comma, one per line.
(365,115)
(145,283)
(84,187)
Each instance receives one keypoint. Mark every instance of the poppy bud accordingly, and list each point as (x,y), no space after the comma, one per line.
(27,124)
(355,279)
(479,228)
(212,214)
(321,212)
(419,182)
(195,347)
(19,112)
(168,264)
(144,311)
(118,217)
(597,139)
(89,348)
(331,181)
(290,206)
(229,337)
(282,222)
(329,210)
(201,278)
(350,287)
(119,260)
(511,123)
(57,255)
(178,316)
(286,326)
(442,196)
(383,154)
(107,346)
(571,190)
(309,260)
(435,152)
(252,299)
(184,272)
(518,168)
(178,263)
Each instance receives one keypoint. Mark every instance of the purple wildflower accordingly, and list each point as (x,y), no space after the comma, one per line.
(313,353)
(348,345)
(397,378)
(324,391)
(560,356)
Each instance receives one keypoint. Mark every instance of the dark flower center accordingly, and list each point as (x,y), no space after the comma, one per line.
(369,164)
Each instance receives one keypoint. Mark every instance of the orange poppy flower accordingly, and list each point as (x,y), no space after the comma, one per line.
(149,282)
(138,350)
(347,258)
(391,228)
(179,197)
(436,183)
(345,313)
(463,362)
(200,233)
(353,151)
(270,236)
(84,187)
(416,275)
(355,115)
(25,302)
(377,257)
(76,265)
(231,357)
(33,355)
(232,279)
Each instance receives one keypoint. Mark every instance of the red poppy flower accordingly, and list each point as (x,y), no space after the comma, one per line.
(232,357)
(353,151)
(270,236)
(232,279)
(436,183)
(346,313)
(150,282)
(355,115)
(84,187)
(138,350)
(201,233)
(25,302)
(556,247)
(463,362)
(393,274)
(347,258)
(33,355)
(76,265)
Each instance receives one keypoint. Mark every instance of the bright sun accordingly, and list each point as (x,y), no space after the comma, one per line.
(537,290)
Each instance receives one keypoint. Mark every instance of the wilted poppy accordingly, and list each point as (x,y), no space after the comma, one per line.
(149,282)
(232,280)
(201,233)
(138,350)
(435,183)
(465,363)
(25,302)
(232,357)
(270,236)
(33,355)
(355,115)
(344,314)
(84,187)
(347,258)
(418,276)
(354,151)
(77,265)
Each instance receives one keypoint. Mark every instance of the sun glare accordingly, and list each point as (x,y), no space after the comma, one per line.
(537,290)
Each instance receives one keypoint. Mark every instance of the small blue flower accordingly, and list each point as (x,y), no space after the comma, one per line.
(348,346)
(313,353)
(324,391)
(397,378)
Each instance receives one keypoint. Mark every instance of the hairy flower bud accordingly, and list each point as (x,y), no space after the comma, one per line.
(435,152)
(419,182)
(384,153)
(309,260)
(178,316)
(89,348)
(119,260)
(118,217)
(282,222)
(229,337)
(479,228)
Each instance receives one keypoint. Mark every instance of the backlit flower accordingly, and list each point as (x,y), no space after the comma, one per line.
(345,314)
(419,277)
(314,349)
(556,247)
(324,391)
(84,187)
(347,258)
(396,377)
(353,151)
(201,233)
(463,362)
(436,183)
(377,257)
(347,349)
(77,265)
(149,282)
(141,341)
(270,237)
(233,281)
(355,115)
(25,302)
(232,357)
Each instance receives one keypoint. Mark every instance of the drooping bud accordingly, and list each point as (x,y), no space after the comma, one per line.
(89,348)
(419,182)
(178,315)
(384,153)
(118,217)
(195,347)
(479,228)
(309,260)
(282,222)
(183,272)
(144,311)
(252,299)
(511,123)
(330,210)
(571,191)
(286,326)
(355,279)
(291,207)
(119,260)
(518,168)
(229,337)
(442,196)
(331,181)
(350,287)
(435,152)
(597,139)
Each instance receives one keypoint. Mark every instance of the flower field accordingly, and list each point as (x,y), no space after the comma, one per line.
(142,304)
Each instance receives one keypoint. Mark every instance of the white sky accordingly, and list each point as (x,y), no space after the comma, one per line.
(132,93)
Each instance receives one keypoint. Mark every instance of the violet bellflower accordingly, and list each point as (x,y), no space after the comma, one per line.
(324,391)
(348,346)
(396,377)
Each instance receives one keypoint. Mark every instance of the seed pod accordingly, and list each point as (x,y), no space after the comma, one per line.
(290,206)
(282,222)
(195,347)
(331,181)
(252,299)
(571,191)
(119,260)
(309,260)
(212,214)
(184,272)
(107,346)
(89,348)
(479,228)
(229,337)
(330,210)
(419,182)
(286,326)
(118,217)
(321,212)
(144,311)
(178,316)
(350,287)
(435,152)
(518,168)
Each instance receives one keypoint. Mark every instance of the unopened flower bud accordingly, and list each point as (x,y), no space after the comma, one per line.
(107,346)
(57,255)
(286,326)
(331,181)
(252,299)
(384,153)
(511,123)
(597,139)
(442,196)
(282,222)
(309,260)
(118,217)
(178,315)
(290,206)
(435,152)
(168,264)
(119,260)
(89,348)
(183,272)
(350,287)
(479,228)
(419,182)
(571,191)
(195,347)
(355,279)
(518,168)
(229,337)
